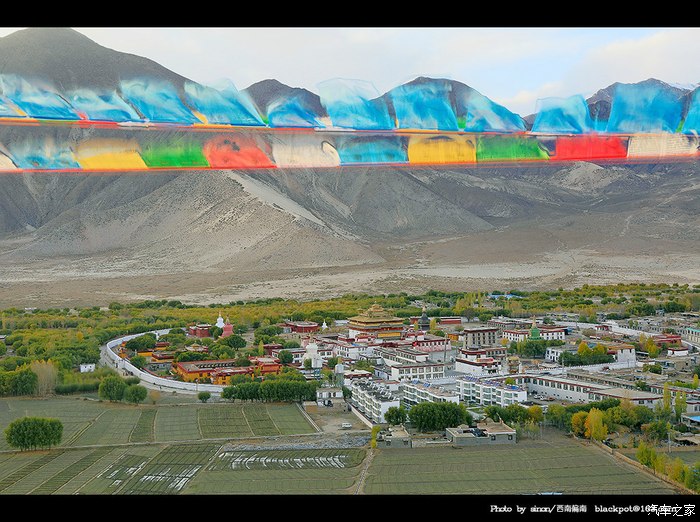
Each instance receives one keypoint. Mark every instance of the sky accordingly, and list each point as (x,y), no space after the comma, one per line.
(513,66)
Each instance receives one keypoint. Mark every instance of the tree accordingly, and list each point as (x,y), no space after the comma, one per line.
(204,396)
(229,393)
(332,362)
(696,381)
(285,356)
(578,423)
(395,416)
(436,416)
(656,431)
(583,349)
(235,341)
(307,364)
(645,454)
(154,395)
(47,376)
(680,405)
(135,393)
(139,361)
(594,427)
(112,388)
(535,413)
(34,432)
(558,416)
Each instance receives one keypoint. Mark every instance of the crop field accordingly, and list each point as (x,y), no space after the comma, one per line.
(93,423)
(169,471)
(533,466)
(309,471)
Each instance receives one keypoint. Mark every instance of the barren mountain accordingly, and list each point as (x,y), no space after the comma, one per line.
(216,236)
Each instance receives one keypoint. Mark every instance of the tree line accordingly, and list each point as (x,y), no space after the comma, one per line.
(430,416)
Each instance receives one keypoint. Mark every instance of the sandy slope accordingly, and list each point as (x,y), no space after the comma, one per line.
(222,236)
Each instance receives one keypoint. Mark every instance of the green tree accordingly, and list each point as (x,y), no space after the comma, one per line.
(558,416)
(645,454)
(307,364)
(204,396)
(680,404)
(112,388)
(396,415)
(656,431)
(436,416)
(285,356)
(332,362)
(235,341)
(30,433)
(139,361)
(229,393)
(135,393)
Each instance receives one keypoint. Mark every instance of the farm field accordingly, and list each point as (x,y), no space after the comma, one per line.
(307,471)
(553,464)
(145,450)
(93,423)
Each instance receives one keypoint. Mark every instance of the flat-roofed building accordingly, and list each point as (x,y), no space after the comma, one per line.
(373,399)
(480,336)
(472,362)
(637,397)
(489,392)
(483,433)
(415,392)
(418,370)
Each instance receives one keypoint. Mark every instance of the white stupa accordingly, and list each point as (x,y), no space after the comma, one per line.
(220,321)
(312,353)
(324,326)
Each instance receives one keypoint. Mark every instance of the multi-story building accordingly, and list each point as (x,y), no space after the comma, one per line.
(489,392)
(374,398)
(418,370)
(548,334)
(507,323)
(478,337)
(415,392)
(473,362)
(692,334)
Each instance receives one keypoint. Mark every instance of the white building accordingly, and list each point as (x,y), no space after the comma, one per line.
(87,368)
(374,398)
(692,334)
(415,392)
(488,392)
(548,334)
(473,363)
(554,352)
(419,370)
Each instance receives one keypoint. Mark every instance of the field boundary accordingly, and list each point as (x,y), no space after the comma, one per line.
(308,418)
(627,460)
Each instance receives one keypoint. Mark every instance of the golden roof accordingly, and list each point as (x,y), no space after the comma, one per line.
(375,314)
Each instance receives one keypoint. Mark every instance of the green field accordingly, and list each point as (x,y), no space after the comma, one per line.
(532,466)
(93,423)
(125,449)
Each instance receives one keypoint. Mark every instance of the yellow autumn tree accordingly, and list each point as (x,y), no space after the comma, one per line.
(595,429)
(578,423)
